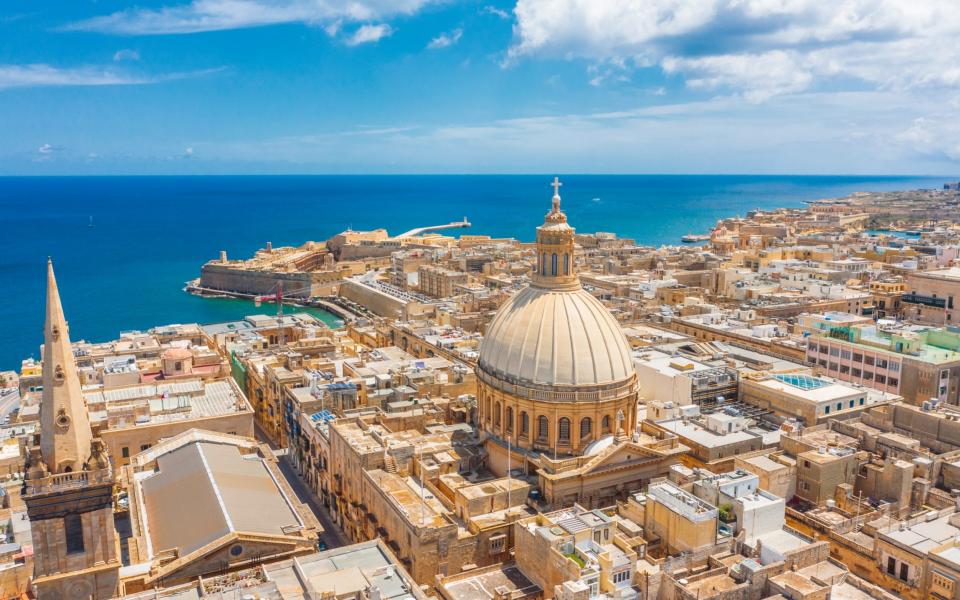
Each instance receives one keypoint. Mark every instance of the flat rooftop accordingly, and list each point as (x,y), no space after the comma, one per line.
(666,364)
(926,535)
(711,586)
(345,571)
(952,273)
(703,436)
(811,389)
(154,403)
(482,586)
(416,504)
(764,463)
(780,541)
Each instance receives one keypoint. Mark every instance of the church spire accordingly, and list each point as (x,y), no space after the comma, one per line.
(65,433)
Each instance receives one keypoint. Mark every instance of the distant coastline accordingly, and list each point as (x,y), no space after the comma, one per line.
(152,233)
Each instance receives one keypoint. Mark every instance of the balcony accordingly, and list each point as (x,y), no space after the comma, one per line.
(67,481)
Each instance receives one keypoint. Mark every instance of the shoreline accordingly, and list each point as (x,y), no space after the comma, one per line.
(113,281)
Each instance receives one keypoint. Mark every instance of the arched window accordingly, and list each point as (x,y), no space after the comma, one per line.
(543,428)
(543,264)
(496,414)
(566,264)
(509,419)
(586,427)
(553,265)
(606,423)
(564,430)
(524,424)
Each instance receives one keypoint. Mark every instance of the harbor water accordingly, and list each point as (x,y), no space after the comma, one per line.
(124,246)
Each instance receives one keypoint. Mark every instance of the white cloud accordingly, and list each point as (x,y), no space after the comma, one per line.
(41,75)
(761,76)
(609,70)
(497,12)
(846,132)
(760,48)
(215,15)
(126,54)
(935,135)
(445,40)
(45,153)
(369,33)
(333,28)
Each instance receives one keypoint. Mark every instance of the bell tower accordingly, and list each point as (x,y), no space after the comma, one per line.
(68,487)
(555,244)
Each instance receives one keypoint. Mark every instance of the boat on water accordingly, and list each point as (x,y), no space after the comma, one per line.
(691,238)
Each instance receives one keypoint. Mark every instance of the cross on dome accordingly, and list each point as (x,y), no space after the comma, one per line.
(556,194)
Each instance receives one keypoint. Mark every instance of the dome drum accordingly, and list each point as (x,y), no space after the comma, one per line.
(612,391)
(553,427)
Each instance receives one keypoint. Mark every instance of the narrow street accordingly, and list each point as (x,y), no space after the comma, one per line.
(332,537)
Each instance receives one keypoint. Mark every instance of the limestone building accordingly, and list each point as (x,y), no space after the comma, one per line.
(69,483)
(241,510)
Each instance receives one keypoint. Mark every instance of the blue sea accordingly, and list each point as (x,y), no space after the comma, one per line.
(152,234)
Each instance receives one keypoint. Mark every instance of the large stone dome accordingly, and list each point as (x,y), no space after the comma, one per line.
(555,337)
(555,371)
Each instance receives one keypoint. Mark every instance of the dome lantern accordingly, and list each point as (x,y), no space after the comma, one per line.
(555,248)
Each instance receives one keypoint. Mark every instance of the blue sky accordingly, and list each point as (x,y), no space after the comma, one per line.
(426,86)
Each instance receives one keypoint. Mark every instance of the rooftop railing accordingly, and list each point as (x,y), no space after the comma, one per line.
(66,481)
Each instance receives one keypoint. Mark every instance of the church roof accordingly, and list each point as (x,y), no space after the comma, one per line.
(556,337)
(553,333)
(204,491)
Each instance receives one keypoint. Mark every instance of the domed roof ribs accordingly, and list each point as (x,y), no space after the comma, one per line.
(609,340)
(556,324)
(527,344)
(591,353)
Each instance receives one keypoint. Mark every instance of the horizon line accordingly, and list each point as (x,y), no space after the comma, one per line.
(490,174)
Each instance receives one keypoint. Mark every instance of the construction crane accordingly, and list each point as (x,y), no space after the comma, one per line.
(276,295)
